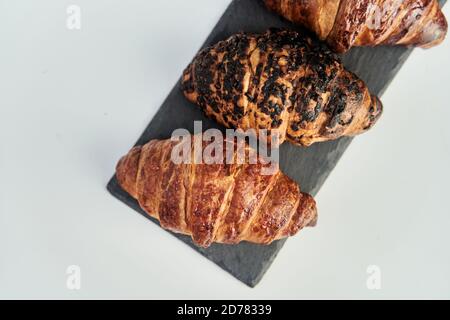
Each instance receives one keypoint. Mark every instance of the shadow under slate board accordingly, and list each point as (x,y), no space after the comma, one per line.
(309,167)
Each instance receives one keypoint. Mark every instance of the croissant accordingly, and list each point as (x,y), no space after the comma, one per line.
(347,23)
(283,82)
(224,203)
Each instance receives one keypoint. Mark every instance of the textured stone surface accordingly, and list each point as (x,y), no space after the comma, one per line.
(308,166)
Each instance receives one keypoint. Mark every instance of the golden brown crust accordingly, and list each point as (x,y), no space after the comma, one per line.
(225,203)
(281,81)
(319,15)
(276,211)
(129,167)
(347,23)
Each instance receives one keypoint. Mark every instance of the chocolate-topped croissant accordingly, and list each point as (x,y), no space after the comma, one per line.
(218,202)
(347,23)
(283,82)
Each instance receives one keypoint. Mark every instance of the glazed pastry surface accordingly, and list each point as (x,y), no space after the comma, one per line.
(225,203)
(347,23)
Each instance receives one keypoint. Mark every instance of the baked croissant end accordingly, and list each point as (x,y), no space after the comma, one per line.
(224,203)
(347,23)
(283,82)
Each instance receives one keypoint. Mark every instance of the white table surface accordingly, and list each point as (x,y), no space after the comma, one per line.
(73,101)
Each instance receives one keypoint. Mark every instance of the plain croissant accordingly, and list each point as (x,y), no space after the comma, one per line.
(347,23)
(225,203)
(281,81)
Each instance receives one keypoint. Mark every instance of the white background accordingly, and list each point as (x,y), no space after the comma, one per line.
(72,102)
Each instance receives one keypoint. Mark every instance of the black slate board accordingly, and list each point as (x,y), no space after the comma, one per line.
(308,166)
